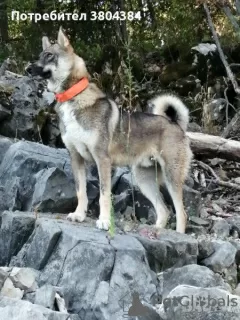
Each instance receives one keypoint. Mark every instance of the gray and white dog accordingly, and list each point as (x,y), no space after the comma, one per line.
(94,130)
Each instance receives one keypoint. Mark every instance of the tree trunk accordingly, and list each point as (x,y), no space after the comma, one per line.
(214,146)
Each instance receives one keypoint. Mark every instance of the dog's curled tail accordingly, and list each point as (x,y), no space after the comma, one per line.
(170,106)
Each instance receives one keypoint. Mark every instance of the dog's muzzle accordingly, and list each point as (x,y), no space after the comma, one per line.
(35,70)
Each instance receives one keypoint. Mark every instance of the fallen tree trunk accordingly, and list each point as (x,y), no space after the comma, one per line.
(214,146)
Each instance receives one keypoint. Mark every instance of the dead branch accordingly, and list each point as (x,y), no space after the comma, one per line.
(214,146)
(221,54)
(217,179)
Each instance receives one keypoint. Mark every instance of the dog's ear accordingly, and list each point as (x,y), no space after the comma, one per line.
(45,43)
(62,39)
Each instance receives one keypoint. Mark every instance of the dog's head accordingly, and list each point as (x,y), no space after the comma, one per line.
(58,64)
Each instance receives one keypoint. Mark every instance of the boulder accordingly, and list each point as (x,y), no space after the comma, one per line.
(193,275)
(18,310)
(190,302)
(171,249)
(223,261)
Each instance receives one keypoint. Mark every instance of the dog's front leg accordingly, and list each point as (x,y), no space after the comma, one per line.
(79,172)
(104,170)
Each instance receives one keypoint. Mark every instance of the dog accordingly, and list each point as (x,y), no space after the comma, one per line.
(95,131)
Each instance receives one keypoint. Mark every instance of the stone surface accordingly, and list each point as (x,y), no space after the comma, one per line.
(54,192)
(5,143)
(201,303)
(36,172)
(171,249)
(223,261)
(10,291)
(88,266)
(3,277)
(45,296)
(194,275)
(23,278)
(16,228)
(19,310)
(206,249)
(221,228)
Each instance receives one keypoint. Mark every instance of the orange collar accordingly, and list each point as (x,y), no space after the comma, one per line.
(73,91)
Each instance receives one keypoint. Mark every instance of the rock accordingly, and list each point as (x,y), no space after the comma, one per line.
(192,274)
(206,249)
(234,223)
(10,291)
(21,162)
(188,302)
(54,192)
(95,272)
(194,127)
(171,249)
(236,244)
(236,291)
(18,310)
(23,278)
(3,277)
(38,249)
(237,180)
(195,230)
(27,117)
(120,201)
(5,143)
(223,261)
(192,201)
(221,228)
(15,230)
(199,221)
(4,113)
(45,296)
(118,172)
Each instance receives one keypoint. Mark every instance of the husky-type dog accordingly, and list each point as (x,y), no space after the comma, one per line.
(94,130)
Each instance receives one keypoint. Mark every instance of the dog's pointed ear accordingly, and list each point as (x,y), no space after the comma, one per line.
(62,39)
(45,43)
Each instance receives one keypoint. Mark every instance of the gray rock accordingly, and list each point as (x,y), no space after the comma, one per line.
(38,249)
(193,275)
(223,261)
(23,278)
(206,249)
(192,201)
(236,244)
(45,296)
(27,117)
(234,223)
(54,192)
(15,230)
(221,228)
(8,290)
(5,143)
(19,310)
(190,303)
(4,113)
(97,275)
(24,163)
(3,277)
(171,249)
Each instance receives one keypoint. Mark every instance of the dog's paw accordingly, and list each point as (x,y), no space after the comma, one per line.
(76,216)
(103,224)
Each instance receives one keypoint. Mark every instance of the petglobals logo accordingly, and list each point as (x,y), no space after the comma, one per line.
(200,303)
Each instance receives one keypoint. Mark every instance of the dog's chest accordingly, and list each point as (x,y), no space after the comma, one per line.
(74,134)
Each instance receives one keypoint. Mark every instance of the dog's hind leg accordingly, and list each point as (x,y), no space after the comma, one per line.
(174,176)
(148,181)
(79,173)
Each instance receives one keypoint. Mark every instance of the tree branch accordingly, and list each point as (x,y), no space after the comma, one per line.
(221,54)
(233,20)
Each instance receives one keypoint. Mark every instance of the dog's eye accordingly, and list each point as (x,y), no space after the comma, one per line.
(49,55)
